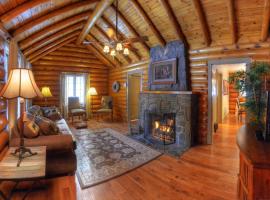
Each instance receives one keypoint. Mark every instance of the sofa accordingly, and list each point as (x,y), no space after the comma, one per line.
(60,147)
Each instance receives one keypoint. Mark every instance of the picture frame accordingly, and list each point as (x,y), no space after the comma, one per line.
(164,72)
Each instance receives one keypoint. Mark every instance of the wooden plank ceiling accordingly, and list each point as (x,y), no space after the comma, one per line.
(42,26)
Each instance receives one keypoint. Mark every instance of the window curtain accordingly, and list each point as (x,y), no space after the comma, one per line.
(88,97)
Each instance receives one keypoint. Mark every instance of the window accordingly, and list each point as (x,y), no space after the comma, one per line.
(75,87)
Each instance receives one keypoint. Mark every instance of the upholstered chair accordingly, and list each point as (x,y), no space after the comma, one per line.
(75,108)
(106,107)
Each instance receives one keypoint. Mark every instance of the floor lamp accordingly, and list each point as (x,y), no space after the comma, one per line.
(21,83)
(92,92)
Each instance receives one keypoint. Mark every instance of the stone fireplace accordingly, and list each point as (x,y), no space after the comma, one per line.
(174,111)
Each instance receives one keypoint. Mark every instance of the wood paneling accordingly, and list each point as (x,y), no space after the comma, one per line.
(47,71)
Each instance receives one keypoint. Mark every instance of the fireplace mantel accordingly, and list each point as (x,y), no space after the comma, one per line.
(167,92)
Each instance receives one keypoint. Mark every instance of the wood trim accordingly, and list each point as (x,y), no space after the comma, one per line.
(122,35)
(104,34)
(132,30)
(34,47)
(93,38)
(149,22)
(21,9)
(100,56)
(4,33)
(266,21)
(202,20)
(172,18)
(18,32)
(51,45)
(94,16)
(232,20)
(52,29)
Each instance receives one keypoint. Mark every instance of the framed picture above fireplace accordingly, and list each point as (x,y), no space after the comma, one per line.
(164,72)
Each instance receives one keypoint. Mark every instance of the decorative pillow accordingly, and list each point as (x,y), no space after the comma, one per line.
(47,126)
(35,110)
(31,129)
(52,113)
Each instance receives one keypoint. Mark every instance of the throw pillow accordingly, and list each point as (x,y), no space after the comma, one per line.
(31,129)
(47,126)
(52,113)
(35,110)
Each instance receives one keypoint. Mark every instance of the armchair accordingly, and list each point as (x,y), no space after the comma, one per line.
(75,108)
(106,106)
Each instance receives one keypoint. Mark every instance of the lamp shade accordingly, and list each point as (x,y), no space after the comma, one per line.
(46,92)
(92,91)
(21,83)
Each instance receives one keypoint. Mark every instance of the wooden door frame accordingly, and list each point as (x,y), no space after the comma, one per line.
(210,67)
(136,71)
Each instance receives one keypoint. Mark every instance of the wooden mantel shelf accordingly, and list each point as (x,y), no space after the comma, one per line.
(167,92)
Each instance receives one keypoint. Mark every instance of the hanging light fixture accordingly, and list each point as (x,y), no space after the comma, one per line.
(113,53)
(106,49)
(126,51)
(119,46)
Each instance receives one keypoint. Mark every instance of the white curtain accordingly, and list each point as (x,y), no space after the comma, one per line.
(64,92)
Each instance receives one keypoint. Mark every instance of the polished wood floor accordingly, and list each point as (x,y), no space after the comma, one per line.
(204,172)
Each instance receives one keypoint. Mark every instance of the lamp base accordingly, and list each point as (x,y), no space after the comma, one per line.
(23,152)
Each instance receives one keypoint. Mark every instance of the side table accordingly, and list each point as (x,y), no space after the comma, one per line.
(31,169)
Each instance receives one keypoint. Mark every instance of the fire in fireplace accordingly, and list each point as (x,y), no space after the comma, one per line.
(163,127)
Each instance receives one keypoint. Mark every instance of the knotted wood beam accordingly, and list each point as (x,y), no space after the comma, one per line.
(21,9)
(100,8)
(266,21)
(232,20)
(202,21)
(149,22)
(177,28)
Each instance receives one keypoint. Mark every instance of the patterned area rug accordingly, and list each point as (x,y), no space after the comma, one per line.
(104,154)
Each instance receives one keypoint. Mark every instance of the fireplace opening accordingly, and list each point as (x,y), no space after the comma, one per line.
(162,127)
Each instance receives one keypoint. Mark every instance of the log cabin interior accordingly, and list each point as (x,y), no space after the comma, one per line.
(132,99)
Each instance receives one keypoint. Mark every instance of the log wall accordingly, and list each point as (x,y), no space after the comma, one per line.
(70,58)
(199,76)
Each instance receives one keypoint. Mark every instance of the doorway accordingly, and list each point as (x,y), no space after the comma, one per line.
(134,87)
(223,99)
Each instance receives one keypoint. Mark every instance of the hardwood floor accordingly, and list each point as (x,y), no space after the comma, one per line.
(204,172)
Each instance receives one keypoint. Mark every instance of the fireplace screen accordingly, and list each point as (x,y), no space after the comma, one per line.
(163,127)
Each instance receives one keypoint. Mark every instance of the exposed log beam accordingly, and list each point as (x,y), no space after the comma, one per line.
(51,45)
(177,28)
(232,20)
(122,36)
(21,9)
(52,29)
(104,34)
(100,8)
(53,49)
(4,33)
(132,30)
(100,56)
(202,20)
(266,20)
(98,46)
(52,38)
(149,22)
(18,34)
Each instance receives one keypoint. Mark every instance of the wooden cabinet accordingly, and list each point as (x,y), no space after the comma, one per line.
(254,170)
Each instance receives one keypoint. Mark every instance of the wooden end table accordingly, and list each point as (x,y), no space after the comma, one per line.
(31,169)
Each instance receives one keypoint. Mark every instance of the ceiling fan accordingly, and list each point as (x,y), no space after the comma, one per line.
(115,45)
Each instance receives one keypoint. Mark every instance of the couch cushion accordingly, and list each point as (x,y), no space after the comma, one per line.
(104,110)
(77,111)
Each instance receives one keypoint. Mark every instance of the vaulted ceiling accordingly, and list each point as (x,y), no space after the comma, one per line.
(42,26)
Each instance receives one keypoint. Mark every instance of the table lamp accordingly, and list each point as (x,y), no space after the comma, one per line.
(21,83)
(92,92)
(46,92)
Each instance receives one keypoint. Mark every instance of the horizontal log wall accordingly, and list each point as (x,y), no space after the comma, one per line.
(199,76)
(70,58)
